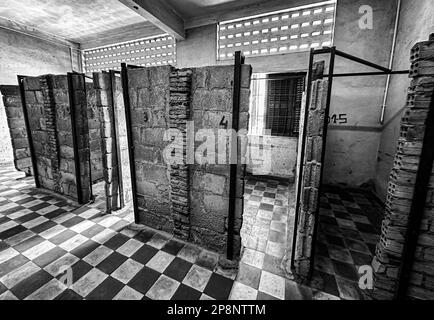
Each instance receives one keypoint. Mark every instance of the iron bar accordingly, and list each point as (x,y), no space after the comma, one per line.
(239,60)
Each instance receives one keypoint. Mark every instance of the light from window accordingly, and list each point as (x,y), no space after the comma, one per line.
(159,50)
(298,29)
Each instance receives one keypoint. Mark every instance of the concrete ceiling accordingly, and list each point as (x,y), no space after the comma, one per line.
(189,9)
(73,20)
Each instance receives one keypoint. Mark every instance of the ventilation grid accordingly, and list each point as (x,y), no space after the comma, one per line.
(155,51)
(292,30)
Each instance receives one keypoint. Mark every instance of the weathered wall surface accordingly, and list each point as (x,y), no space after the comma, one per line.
(49,110)
(93,117)
(283,157)
(26,55)
(17,129)
(190,200)
(104,104)
(311,180)
(149,91)
(212,89)
(401,188)
(416,23)
(352,145)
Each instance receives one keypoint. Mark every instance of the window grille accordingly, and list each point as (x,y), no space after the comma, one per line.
(276,104)
(155,51)
(292,30)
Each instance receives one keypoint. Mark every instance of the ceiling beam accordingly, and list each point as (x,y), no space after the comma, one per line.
(36,33)
(160,14)
(239,9)
(123,34)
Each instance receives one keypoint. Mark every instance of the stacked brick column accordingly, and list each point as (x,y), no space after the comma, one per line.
(179,113)
(17,128)
(401,190)
(311,177)
(104,103)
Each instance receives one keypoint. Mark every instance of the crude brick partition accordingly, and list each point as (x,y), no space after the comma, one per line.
(17,128)
(189,200)
(311,178)
(49,111)
(179,114)
(149,93)
(104,105)
(93,116)
(389,251)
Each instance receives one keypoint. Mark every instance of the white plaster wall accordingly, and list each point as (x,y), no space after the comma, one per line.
(351,156)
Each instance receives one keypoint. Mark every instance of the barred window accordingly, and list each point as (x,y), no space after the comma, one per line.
(291,30)
(155,51)
(276,104)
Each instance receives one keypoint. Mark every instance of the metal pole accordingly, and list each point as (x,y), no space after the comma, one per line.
(124,75)
(302,151)
(29,131)
(324,141)
(74,138)
(359,60)
(239,60)
(417,205)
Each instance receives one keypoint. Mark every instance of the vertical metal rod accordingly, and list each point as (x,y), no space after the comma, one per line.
(124,75)
(417,206)
(324,141)
(29,131)
(239,60)
(74,138)
(302,151)
(116,138)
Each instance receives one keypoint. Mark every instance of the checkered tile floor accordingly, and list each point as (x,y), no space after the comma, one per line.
(44,239)
(265,237)
(349,229)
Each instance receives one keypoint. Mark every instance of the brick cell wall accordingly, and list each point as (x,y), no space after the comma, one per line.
(401,190)
(17,128)
(82,134)
(212,92)
(49,112)
(94,133)
(121,128)
(104,106)
(149,93)
(189,200)
(311,177)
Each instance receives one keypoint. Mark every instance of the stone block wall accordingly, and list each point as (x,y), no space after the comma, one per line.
(49,111)
(311,178)
(17,129)
(149,94)
(387,260)
(104,108)
(93,116)
(121,127)
(211,109)
(186,199)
